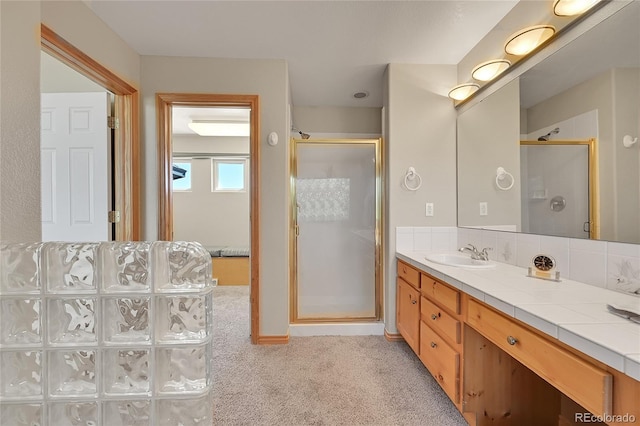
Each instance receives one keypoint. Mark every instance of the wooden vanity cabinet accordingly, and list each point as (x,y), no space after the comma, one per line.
(408,305)
(441,334)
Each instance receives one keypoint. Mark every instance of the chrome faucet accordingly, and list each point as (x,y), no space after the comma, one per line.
(475,254)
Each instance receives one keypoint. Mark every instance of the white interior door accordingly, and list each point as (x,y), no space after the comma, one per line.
(74,167)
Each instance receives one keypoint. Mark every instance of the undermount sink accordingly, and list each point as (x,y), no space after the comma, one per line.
(459,260)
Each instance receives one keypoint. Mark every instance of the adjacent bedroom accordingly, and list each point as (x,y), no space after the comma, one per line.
(211,186)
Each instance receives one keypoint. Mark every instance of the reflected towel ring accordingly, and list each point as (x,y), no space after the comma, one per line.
(412,176)
(501,176)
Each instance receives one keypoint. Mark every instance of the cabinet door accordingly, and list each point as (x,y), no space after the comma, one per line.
(408,314)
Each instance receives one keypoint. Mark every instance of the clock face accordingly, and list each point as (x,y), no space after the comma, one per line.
(543,263)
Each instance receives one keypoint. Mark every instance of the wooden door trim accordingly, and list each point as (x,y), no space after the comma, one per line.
(127,139)
(164,104)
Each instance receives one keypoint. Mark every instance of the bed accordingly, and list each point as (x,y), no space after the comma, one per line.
(230,265)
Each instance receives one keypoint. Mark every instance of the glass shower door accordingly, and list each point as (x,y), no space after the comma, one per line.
(337,196)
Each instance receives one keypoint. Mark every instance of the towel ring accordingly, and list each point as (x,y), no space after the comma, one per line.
(501,175)
(412,176)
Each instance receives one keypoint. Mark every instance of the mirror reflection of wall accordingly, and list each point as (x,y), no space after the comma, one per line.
(211,203)
(588,89)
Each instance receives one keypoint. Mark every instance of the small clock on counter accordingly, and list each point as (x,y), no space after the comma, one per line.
(544,267)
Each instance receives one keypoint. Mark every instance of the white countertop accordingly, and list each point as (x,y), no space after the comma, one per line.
(572,312)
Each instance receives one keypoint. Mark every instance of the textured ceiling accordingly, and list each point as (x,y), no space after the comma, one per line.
(333,48)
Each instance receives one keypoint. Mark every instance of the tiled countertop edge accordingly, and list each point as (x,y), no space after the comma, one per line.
(628,364)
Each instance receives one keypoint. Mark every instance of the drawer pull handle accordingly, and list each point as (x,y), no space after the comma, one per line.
(511,340)
(433,344)
(414,301)
(434,317)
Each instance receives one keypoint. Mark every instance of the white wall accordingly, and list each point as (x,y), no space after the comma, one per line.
(56,77)
(211,218)
(488,138)
(19,121)
(345,120)
(419,125)
(269,80)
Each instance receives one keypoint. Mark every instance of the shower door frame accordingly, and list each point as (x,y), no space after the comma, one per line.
(592,164)
(294,230)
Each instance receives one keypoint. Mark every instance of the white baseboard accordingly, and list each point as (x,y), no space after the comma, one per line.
(338,329)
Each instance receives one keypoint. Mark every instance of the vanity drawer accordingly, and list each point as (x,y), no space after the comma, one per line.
(409,274)
(438,319)
(442,361)
(583,382)
(440,293)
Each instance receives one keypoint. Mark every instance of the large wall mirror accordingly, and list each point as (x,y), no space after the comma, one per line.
(551,152)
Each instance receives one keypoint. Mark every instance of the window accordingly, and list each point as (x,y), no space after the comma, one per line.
(182,175)
(229,174)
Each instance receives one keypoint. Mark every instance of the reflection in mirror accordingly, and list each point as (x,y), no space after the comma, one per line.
(559,189)
(589,89)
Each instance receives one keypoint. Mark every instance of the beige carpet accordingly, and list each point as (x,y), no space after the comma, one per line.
(362,380)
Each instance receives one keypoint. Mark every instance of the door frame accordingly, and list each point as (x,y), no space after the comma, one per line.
(594,191)
(294,230)
(127,140)
(164,105)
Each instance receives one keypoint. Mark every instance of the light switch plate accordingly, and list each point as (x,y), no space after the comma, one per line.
(484,209)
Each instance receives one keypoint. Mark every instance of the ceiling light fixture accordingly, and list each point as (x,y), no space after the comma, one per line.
(489,70)
(572,7)
(219,128)
(463,91)
(528,39)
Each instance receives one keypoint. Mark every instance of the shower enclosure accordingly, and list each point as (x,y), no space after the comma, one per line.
(336,222)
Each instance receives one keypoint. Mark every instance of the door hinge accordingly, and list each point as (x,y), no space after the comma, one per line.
(113,122)
(114,216)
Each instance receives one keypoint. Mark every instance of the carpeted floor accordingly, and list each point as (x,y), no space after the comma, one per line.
(362,380)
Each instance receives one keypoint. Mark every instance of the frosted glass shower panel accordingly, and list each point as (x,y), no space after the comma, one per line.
(555,188)
(105,334)
(336,216)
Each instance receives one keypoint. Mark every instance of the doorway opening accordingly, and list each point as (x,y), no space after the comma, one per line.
(126,142)
(165,105)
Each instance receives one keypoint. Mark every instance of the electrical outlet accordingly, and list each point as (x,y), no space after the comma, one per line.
(484,210)
(429,209)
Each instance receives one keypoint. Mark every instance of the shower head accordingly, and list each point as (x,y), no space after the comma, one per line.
(546,137)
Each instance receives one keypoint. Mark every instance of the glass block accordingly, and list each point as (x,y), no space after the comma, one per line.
(20,322)
(126,413)
(184,412)
(21,414)
(73,413)
(182,318)
(72,321)
(126,320)
(181,369)
(21,374)
(19,268)
(125,266)
(126,371)
(72,373)
(181,266)
(69,267)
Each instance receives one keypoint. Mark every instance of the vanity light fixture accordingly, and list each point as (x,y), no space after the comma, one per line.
(526,40)
(489,70)
(463,91)
(572,7)
(219,128)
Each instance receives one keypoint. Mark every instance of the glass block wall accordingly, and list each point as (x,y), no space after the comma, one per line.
(110,334)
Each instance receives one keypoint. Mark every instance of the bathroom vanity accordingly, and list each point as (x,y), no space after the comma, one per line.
(502,348)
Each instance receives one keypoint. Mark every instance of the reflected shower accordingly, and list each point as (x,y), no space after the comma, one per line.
(548,135)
